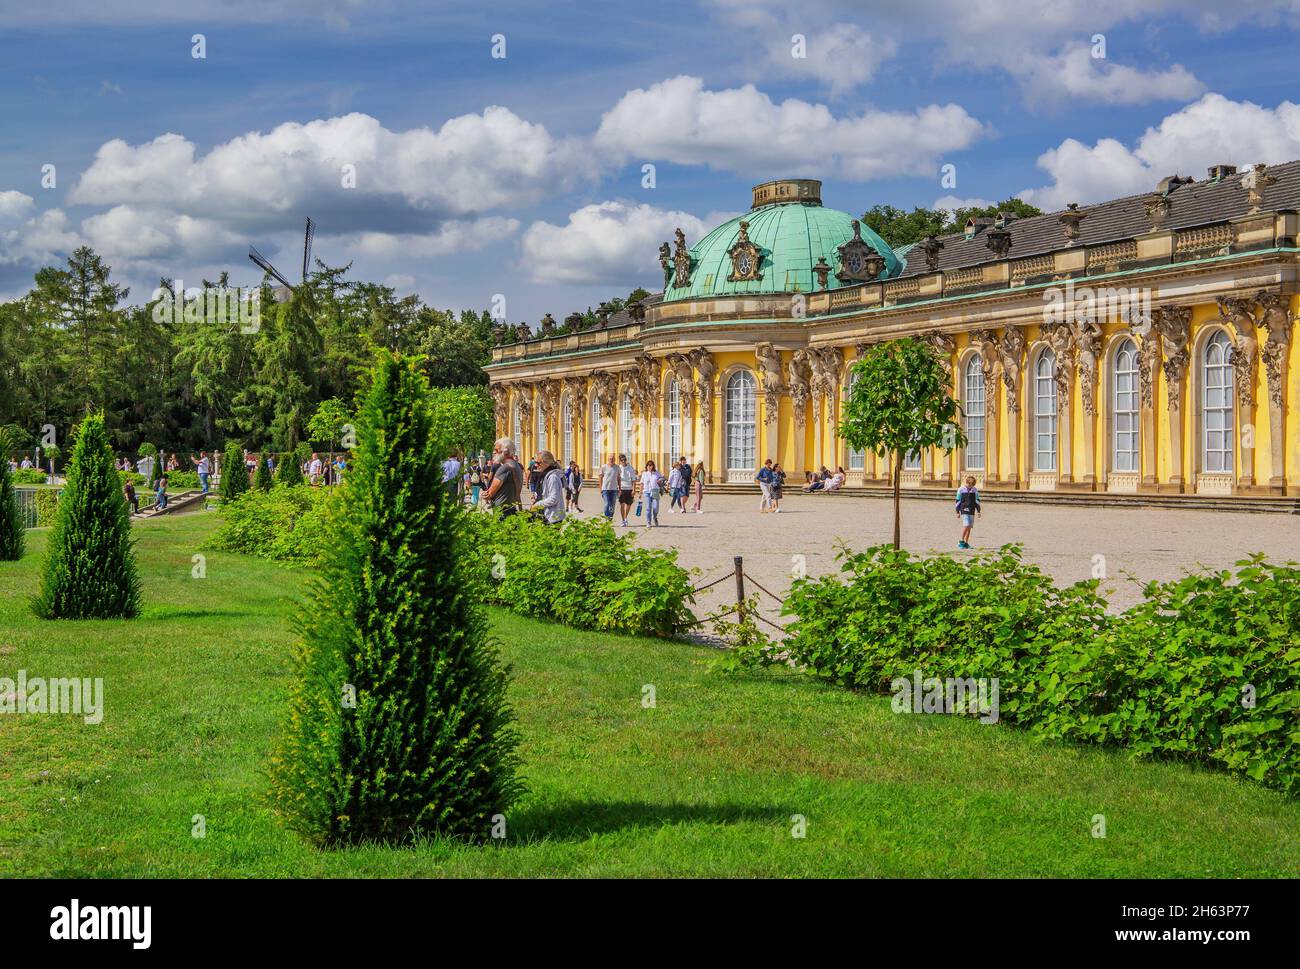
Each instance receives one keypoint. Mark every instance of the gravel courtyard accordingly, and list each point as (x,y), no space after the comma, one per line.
(1148,543)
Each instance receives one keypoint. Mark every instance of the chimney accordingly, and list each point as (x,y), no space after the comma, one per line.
(1219,172)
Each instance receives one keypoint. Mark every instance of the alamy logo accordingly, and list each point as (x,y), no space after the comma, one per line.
(82,697)
(113,923)
(952,695)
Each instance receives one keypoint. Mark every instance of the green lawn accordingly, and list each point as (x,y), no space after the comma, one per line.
(704,784)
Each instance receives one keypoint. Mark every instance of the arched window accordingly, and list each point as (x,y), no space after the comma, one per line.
(912,461)
(541,432)
(973,406)
(597,458)
(1124,408)
(857,459)
(674,421)
(566,419)
(625,422)
(1045,412)
(1216,405)
(742,431)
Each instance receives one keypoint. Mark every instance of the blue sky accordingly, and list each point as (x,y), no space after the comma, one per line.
(522,176)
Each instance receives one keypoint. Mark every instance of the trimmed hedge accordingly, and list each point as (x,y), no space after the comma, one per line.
(581,574)
(1207,668)
(287,524)
(29,476)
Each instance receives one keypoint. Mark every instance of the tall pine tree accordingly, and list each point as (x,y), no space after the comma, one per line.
(90,566)
(11,526)
(398,724)
(234,473)
(262,479)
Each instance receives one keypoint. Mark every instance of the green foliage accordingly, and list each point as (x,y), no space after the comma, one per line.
(180,480)
(464,418)
(900,403)
(234,474)
(582,574)
(288,470)
(329,422)
(28,476)
(1174,676)
(426,747)
(262,479)
(90,570)
(11,523)
(900,228)
(47,507)
(287,524)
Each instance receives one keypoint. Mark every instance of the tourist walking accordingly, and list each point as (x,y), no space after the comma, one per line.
(314,469)
(550,504)
(451,474)
(651,485)
(505,492)
(764,479)
(675,489)
(572,486)
(609,475)
(626,482)
(778,487)
(203,465)
(968,506)
(686,481)
(697,479)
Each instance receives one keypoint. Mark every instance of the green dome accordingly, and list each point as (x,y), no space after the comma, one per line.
(791,237)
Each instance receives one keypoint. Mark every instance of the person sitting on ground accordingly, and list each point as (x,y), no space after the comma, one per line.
(837,480)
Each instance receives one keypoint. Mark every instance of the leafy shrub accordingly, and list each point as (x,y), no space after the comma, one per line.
(287,524)
(11,521)
(234,473)
(288,471)
(90,568)
(582,574)
(180,480)
(262,480)
(29,476)
(1207,668)
(47,507)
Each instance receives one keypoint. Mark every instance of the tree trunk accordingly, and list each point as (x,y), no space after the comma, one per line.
(898,480)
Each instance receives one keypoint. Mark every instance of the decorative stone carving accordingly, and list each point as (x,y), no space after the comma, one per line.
(500,394)
(1087,338)
(859,262)
(576,388)
(548,398)
(1174,323)
(1070,220)
(548,325)
(798,376)
(666,261)
(769,364)
(944,347)
(745,257)
(1275,318)
(822,271)
(1245,347)
(1148,362)
(1061,339)
(523,333)
(575,322)
(681,262)
(998,240)
(636,310)
(705,368)
(501,334)
(680,365)
(1256,182)
(524,405)
(1011,352)
(605,386)
(1157,209)
(643,381)
(827,367)
(932,247)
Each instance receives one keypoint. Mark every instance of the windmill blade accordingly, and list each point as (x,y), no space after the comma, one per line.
(306,247)
(266,267)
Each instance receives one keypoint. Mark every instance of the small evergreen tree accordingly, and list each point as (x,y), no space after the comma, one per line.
(262,479)
(90,568)
(234,474)
(288,471)
(11,526)
(398,724)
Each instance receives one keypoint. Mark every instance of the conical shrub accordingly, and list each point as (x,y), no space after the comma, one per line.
(234,473)
(11,525)
(89,570)
(287,470)
(398,724)
(262,479)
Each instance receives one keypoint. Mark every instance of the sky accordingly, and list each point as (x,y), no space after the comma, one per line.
(533,156)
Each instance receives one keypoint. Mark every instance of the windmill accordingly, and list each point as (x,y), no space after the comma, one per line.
(285,288)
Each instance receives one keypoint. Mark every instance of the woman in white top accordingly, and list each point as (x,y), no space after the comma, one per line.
(650,483)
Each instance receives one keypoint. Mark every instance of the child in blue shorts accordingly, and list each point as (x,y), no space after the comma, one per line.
(968,506)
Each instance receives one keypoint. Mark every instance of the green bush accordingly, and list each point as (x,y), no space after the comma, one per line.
(287,524)
(582,574)
(11,522)
(28,476)
(1207,668)
(398,725)
(47,507)
(180,480)
(262,480)
(288,471)
(90,568)
(234,473)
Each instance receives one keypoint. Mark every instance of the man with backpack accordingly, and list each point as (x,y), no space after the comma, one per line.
(507,481)
(550,504)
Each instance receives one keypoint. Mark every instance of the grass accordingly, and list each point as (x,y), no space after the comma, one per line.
(705,783)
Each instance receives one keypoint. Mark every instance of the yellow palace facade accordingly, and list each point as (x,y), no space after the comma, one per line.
(1140,346)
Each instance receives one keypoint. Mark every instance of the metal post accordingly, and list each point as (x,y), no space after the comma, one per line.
(740,587)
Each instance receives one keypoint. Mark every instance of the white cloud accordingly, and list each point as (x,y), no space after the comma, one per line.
(1211,131)
(29,237)
(610,242)
(744,131)
(450,238)
(1074,75)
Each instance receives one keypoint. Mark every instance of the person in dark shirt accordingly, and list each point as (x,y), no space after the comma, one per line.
(508,479)
(968,507)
